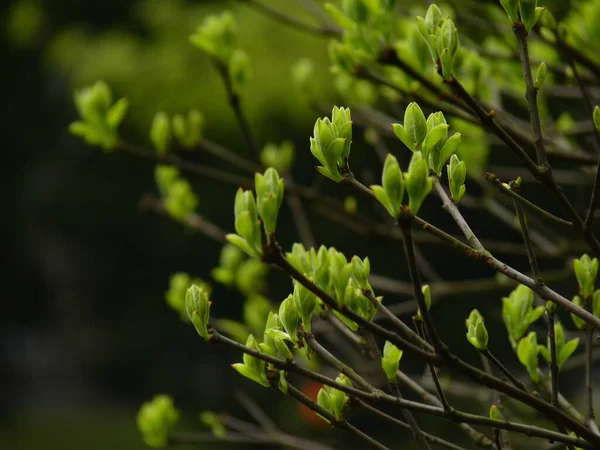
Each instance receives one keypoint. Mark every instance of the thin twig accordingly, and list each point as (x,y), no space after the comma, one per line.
(587,98)
(336,363)
(489,355)
(553,361)
(293,392)
(451,208)
(432,370)
(531,94)
(290,21)
(234,100)
(455,415)
(589,367)
(535,270)
(257,412)
(492,178)
(478,438)
(431,438)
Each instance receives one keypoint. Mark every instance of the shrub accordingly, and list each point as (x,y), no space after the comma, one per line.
(463,90)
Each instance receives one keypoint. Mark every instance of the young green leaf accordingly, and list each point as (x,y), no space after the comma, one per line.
(527,352)
(156,420)
(197,306)
(391,360)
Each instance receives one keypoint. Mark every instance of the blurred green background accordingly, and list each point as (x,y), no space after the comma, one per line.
(86,335)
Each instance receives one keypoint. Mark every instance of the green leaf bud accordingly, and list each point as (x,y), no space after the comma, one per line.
(540,75)
(181,200)
(494,412)
(299,258)
(156,420)
(564,350)
(324,400)
(216,36)
(477,334)
(457,173)
(402,134)
(117,113)
(305,303)
(579,322)
(343,124)
(527,352)
(160,133)
(178,286)
(447,45)
(175,296)
(333,400)
(596,117)
(417,181)
(518,313)
(240,70)
(438,159)
(331,143)
(356,10)
(197,306)
(247,224)
(361,269)
(100,117)
(415,124)
(391,194)
(165,177)
(435,136)
(433,18)
(586,270)
(339,398)
(339,17)
(269,196)
(350,205)
(391,360)
(426,290)
(512,9)
(213,421)
(283,384)
(289,316)
(188,130)
(530,13)
(252,368)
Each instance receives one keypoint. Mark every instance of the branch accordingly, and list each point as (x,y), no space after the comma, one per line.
(451,208)
(589,367)
(377,396)
(290,21)
(292,391)
(490,356)
(235,102)
(336,363)
(553,365)
(544,291)
(528,244)
(531,94)
(429,437)
(492,178)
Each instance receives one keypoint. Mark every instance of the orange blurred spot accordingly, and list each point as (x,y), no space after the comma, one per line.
(310,389)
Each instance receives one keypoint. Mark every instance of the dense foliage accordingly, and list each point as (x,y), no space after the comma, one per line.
(465,93)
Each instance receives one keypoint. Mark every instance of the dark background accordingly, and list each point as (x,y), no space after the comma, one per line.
(85,335)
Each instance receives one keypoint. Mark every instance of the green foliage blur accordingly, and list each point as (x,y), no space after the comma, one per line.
(143,52)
